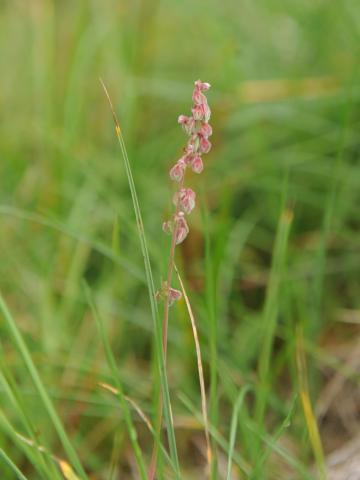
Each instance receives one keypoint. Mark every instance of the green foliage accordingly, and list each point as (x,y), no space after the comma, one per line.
(285,101)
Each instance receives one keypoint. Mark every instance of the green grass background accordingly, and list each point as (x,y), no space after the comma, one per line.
(274,241)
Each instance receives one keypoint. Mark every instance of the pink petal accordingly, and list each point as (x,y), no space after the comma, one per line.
(205,145)
(185,199)
(177,171)
(182,228)
(197,164)
(174,295)
(205,130)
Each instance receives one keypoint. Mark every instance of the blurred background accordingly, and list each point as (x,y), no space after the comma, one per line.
(285,103)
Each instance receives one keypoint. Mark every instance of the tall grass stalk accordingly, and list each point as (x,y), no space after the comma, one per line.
(151,289)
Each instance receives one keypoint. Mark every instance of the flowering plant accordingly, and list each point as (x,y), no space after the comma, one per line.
(198,129)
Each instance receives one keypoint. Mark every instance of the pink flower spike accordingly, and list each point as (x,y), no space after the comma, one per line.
(197,164)
(181,228)
(177,171)
(205,145)
(174,295)
(185,198)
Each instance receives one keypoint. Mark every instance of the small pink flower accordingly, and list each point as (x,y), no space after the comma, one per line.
(198,97)
(203,86)
(181,228)
(198,111)
(197,164)
(201,112)
(188,123)
(183,119)
(185,198)
(168,292)
(174,295)
(205,145)
(188,153)
(205,130)
(187,159)
(177,171)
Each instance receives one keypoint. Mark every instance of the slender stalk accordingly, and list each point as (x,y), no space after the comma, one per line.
(200,370)
(151,289)
(169,277)
(165,326)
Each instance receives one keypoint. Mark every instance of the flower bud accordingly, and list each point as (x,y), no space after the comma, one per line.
(205,130)
(181,228)
(205,145)
(185,199)
(198,112)
(177,171)
(188,123)
(197,164)
(198,97)
(203,86)
(201,112)
(174,295)
(168,292)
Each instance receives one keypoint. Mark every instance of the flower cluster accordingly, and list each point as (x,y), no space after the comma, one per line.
(198,129)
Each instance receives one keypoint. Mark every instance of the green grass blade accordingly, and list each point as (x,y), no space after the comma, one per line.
(118,382)
(11,464)
(274,438)
(271,310)
(58,226)
(213,336)
(272,444)
(151,288)
(216,436)
(233,428)
(34,374)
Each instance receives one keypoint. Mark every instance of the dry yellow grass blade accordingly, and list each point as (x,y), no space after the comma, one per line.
(135,406)
(65,468)
(200,369)
(310,419)
(258,91)
(67,471)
